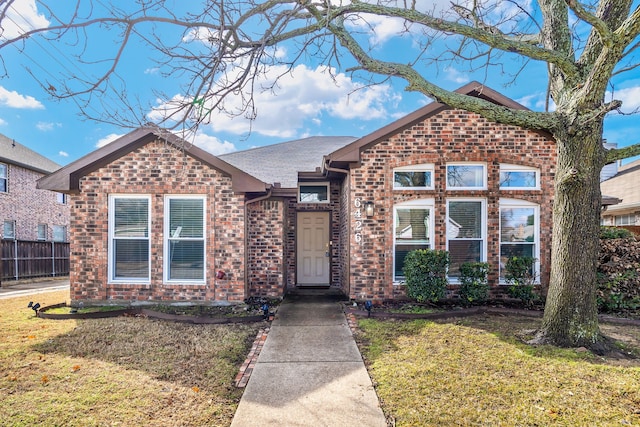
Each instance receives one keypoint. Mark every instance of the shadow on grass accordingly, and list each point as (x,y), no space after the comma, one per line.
(206,356)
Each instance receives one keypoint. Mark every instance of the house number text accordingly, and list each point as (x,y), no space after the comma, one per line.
(357,204)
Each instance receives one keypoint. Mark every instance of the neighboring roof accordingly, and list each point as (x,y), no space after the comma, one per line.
(68,178)
(281,163)
(17,154)
(351,153)
(624,185)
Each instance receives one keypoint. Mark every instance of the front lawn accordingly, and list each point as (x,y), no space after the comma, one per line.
(116,371)
(477,371)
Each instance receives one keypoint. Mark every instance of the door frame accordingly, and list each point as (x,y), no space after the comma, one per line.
(326,240)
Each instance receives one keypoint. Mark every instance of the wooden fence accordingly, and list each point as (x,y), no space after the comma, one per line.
(23,259)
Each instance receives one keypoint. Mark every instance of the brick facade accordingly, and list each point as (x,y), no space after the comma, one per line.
(157,169)
(449,136)
(29,206)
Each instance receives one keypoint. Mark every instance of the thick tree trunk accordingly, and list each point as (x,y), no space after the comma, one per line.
(571,316)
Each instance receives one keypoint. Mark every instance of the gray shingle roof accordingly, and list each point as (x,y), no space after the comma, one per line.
(15,153)
(282,162)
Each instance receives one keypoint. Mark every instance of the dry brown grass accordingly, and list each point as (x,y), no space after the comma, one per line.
(477,372)
(116,371)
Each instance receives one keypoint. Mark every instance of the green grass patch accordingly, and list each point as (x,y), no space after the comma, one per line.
(413,309)
(478,371)
(116,371)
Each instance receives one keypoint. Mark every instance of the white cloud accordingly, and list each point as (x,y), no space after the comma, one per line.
(630,98)
(536,102)
(456,76)
(301,95)
(107,139)
(14,100)
(21,16)
(213,144)
(3,122)
(47,126)
(63,154)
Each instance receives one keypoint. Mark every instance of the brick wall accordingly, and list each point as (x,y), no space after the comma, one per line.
(266,248)
(450,136)
(157,169)
(28,206)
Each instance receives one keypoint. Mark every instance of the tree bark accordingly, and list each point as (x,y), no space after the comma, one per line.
(571,313)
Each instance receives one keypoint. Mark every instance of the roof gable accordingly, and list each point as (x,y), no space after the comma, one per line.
(351,152)
(67,179)
(15,153)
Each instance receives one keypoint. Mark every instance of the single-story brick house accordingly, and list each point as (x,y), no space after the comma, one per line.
(155,218)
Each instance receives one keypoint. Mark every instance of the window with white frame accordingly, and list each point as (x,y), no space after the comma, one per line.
(9,229)
(413,230)
(59,233)
(466,233)
(418,177)
(4,178)
(129,230)
(317,192)
(628,219)
(519,231)
(515,177)
(42,231)
(61,198)
(466,176)
(184,239)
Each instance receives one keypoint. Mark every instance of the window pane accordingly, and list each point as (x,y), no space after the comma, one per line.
(9,231)
(465,220)
(461,251)
(510,250)
(131,258)
(42,231)
(519,179)
(131,218)
(314,193)
(517,225)
(59,233)
(186,218)
(465,176)
(411,233)
(412,179)
(186,260)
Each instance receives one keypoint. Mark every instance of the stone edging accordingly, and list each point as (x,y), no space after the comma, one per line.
(242,378)
(139,311)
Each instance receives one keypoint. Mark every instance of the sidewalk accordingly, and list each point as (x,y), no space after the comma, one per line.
(13,289)
(309,372)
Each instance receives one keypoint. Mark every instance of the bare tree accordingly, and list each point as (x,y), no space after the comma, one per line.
(581,45)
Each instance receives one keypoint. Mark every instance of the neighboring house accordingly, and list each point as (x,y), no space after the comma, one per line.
(624,187)
(158,219)
(28,213)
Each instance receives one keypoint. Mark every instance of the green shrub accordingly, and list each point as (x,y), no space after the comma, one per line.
(474,286)
(614,233)
(519,275)
(425,271)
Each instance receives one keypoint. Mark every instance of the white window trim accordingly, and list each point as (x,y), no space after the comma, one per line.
(45,228)
(111,216)
(315,184)
(483,238)
(5,177)
(516,203)
(166,238)
(13,228)
(504,167)
(426,167)
(484,176)
(421,203)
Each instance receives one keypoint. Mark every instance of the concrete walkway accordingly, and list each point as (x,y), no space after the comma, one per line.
(11,289)
(309,372)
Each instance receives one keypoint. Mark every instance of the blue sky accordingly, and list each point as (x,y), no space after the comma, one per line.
(308,101)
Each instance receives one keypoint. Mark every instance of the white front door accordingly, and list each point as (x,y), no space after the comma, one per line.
(313,248)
